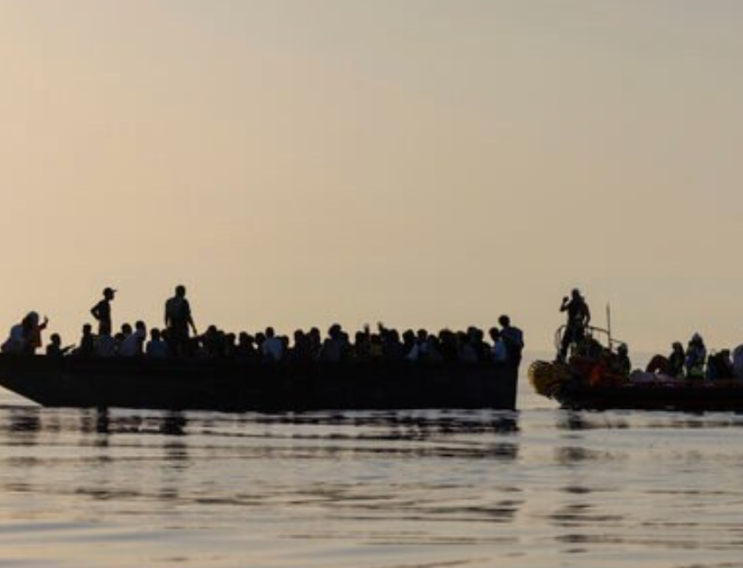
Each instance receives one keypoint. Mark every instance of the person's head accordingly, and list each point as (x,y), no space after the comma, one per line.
(623,349)
(576,294)
(180,291)
(141,327)
(109,293)
(422,335)
(335,330)
(270,332)
(494,333)
(126,330)
(32,318)
(677,346)
(87,329)
(155,334)
(56,339)
(504,321)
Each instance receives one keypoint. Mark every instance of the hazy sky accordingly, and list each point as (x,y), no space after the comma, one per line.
(421,162)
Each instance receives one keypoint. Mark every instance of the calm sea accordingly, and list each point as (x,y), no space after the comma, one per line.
(538,488)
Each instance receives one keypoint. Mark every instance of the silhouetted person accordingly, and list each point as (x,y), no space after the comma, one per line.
(696,357)
(500,349)
(449,348)
(55,349)
(513,338)
(102,312)
(676,360)
(579,316)
(315,342)
(246,350)
(87,342)
(157,348)
(476,339)
(302,351)
(720,366)
(107,345)
(334,348)
(133,343)
(25,337)
(624,365)
(466,352)
(178,322)
(272,347)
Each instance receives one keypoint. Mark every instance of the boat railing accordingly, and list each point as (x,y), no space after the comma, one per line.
(599,334)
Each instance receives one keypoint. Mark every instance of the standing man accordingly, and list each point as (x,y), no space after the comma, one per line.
(178,321)
(579,316)
(513,338)
(102,312)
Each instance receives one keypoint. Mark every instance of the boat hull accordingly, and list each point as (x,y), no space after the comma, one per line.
(232,386)
(689,396)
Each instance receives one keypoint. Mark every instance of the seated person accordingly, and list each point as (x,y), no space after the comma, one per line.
(623,363)
(87,342)
(133,344)
(55,349)
(157,348)
(106,346)
(676,360)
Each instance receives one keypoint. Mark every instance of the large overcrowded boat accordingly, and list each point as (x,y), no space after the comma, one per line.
(221,371)
(233,386)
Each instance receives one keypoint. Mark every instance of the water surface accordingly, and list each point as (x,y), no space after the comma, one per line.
(538,488)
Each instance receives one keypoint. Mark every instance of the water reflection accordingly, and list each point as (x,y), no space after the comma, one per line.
(375,490)
(24,423)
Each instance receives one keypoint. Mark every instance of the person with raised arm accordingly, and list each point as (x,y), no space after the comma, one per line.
(579,317)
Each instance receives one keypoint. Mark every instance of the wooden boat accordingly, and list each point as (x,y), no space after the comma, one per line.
(234,386)
(592,382)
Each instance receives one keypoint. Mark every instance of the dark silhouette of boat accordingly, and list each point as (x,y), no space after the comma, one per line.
(577,393)
(235,386)
(591,382)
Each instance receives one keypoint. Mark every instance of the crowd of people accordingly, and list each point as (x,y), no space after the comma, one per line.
(179,338)
(694,362)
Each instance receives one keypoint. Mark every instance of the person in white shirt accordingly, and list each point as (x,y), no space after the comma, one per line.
(133,345)
(157,348)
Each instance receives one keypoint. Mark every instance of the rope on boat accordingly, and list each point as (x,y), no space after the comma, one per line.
(546,378)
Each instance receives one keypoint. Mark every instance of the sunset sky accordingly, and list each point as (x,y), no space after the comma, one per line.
(420,162)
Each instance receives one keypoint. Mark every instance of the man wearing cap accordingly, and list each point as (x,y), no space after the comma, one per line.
(102,312)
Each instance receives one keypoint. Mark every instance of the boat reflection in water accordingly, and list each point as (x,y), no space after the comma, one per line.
(376,489)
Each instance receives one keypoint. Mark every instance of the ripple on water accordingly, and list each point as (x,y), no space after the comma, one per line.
(541,487)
